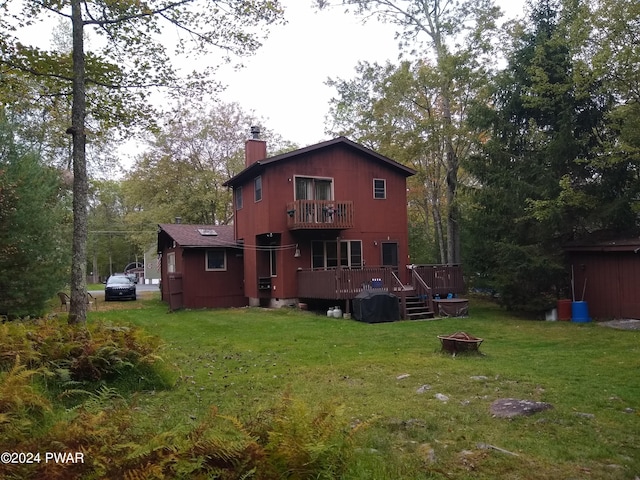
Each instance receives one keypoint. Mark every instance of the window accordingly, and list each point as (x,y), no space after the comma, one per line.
(351,253)
(325,254)
(238,197)
(379,188)
(258,189)
(216,260)
(273,262)
(313,189)
(171,262)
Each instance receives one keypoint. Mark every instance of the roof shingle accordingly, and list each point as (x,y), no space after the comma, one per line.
(187,235)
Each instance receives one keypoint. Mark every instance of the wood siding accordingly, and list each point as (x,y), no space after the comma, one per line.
(609,282)
(371,221)
(200,288)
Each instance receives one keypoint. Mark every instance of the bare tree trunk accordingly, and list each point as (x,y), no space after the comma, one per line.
(78,308)
(437,223)
(452,165)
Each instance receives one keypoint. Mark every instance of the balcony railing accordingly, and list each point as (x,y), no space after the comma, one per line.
(319,214)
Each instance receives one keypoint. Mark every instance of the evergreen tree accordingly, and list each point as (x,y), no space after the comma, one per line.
(543,122)
(34,230)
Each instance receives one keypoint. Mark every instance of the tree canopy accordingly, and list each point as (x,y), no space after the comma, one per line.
(180,174)
(455,39)
(551,170)
(129,57)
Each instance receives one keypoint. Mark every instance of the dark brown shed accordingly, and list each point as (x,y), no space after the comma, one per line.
(607,276)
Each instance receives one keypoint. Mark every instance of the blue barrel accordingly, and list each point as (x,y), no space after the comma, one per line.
(579,312)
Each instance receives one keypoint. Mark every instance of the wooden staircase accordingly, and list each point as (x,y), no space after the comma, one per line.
(418,308)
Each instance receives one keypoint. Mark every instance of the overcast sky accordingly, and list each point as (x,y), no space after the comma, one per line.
(284,81)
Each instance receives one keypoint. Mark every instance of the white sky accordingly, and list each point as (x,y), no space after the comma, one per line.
(284,81)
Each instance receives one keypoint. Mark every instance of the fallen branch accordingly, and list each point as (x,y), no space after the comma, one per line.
(486,446)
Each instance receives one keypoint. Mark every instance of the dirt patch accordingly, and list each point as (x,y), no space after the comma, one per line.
(622,324)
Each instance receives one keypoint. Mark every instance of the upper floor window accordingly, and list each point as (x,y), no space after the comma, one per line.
(379,188)
(258,189)
(238,197)
(216,260)
(313,188)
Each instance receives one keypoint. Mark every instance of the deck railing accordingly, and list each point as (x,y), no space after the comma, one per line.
(345,283)
(318,214)
(442,279)
(342,283)
(421,288)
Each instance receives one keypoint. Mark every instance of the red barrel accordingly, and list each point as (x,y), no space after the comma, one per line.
(564,310)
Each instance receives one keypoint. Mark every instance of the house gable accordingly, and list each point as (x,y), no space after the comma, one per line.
(257,168)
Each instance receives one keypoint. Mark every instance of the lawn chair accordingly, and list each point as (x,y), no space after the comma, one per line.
(64,300)
(91,300)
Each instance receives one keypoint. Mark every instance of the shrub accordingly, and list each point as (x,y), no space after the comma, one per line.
(80,353)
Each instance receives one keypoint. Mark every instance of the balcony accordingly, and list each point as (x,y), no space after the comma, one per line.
(319,214)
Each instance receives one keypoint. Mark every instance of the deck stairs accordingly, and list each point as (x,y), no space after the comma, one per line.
(418,308)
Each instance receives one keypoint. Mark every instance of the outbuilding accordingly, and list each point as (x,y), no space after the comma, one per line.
(606,275)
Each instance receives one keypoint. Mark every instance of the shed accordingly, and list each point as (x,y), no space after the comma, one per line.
(201,266)
(376,306)
(607,276)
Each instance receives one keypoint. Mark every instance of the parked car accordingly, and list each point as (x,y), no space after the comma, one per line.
(131,276)
(119,287)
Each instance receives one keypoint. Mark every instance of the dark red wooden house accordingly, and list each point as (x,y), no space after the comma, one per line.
(323,222)
(201,266)
(607,276)
(326,222)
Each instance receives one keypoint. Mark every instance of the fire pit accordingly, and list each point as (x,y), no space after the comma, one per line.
(460,342)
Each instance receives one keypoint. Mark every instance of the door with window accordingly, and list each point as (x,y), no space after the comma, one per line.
(390,255)
(311,189)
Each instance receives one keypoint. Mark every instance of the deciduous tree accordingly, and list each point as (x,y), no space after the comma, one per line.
(457,37)
(180,174)
(130,56)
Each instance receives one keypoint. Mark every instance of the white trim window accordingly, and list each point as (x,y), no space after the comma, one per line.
(216,260)
(324,254)
(313,188)
(379,188)
(171,262)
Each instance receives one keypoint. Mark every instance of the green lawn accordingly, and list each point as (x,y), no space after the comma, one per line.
(244,360)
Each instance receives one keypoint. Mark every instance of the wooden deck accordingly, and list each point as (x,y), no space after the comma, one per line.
(425,282)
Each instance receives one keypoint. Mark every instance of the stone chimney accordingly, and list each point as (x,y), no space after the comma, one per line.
(254,148)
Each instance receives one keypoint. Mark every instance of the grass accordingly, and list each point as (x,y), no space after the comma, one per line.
(243,360)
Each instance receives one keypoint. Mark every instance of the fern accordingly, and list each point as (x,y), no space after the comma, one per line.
(304,441)
(20,404)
